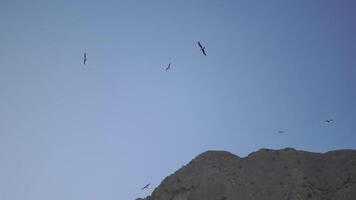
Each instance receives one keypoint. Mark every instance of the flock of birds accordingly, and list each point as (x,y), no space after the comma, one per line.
(328,121)
(168,67)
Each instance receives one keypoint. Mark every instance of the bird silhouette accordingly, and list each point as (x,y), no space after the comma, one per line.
(202,48)
(146,187)
(281,131)
(85,58)
(329,120)
(168,67)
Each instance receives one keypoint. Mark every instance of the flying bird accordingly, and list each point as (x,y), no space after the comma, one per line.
(168,67)
(202,48)
(281,131)
(329,120)
(146,187)
(85,58)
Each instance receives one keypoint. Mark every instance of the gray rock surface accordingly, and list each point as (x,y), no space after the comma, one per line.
(285,174)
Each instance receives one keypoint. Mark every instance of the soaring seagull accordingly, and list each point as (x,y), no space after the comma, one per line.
(146,187)
(329,120)
(85,58)
(202,48)
(168,67)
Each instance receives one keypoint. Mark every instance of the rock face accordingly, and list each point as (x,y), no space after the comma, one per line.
(284,174)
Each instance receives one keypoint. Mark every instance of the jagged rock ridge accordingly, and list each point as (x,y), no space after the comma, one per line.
(285,174)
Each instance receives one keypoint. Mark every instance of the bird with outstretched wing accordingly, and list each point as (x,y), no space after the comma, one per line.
(168,67)
(202,48)
(329,120)
(281,131)
(85,58)
(146,187)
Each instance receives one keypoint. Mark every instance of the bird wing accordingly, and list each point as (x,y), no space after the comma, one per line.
(168,66)
(203,50)
(201,46)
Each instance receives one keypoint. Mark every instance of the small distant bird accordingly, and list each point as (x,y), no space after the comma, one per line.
(329,120)
(202,48)
(85,58)
(168,67)
(146,187)
(281,131)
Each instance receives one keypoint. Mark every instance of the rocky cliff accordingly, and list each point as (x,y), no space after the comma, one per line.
(285,174)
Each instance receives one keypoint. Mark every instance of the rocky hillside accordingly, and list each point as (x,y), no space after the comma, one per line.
(285,174)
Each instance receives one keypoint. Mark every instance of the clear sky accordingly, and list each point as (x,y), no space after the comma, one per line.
(104,130)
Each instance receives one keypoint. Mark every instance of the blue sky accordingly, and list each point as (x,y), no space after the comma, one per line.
(104,130)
